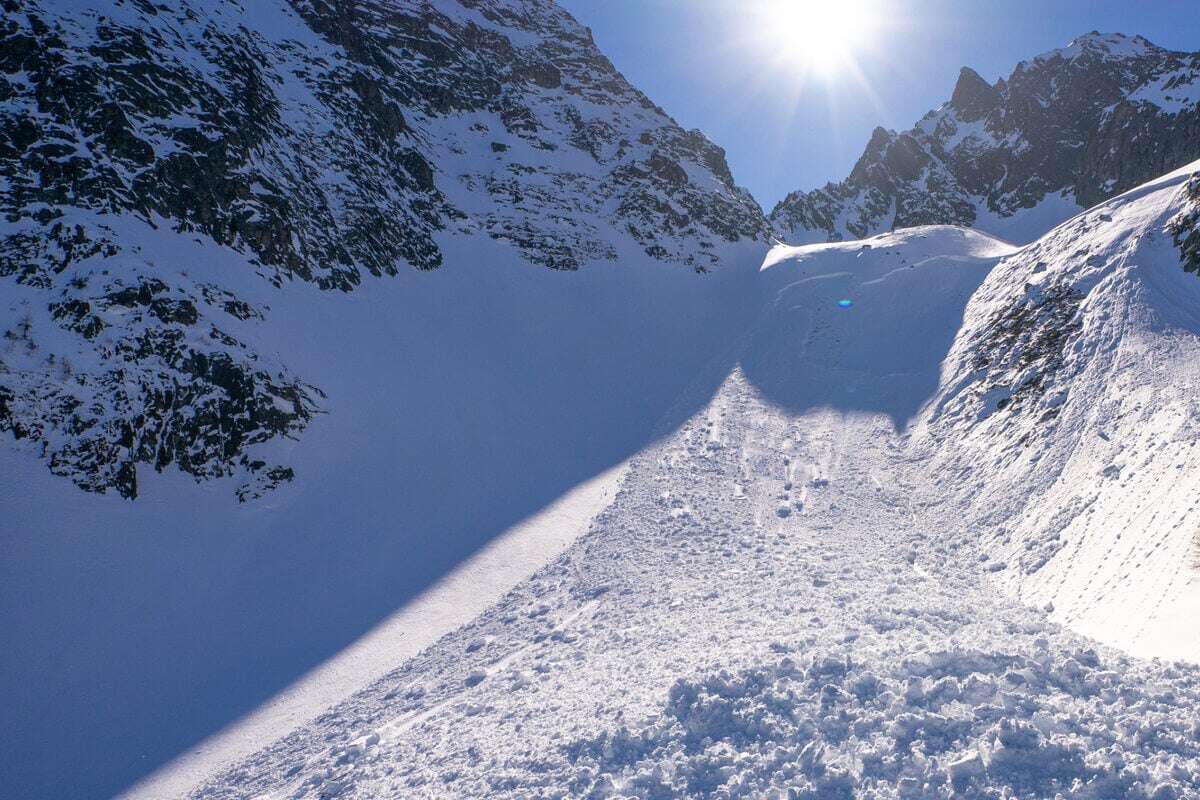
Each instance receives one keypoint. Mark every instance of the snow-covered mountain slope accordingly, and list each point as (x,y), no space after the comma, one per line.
(1066,130)
(320,143)
(1068,419)
(404,274)
(459,402)
(820,354)
(783,600)
(398,275)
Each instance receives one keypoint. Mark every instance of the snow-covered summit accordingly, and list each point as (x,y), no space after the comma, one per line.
(1114,46)
(1063,131)
(294,142)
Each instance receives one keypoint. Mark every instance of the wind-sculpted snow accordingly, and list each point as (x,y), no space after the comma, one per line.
(318,143)
(813,352)
(1068,396)
(1066,130)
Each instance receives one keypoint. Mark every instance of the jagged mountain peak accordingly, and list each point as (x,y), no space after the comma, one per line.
(973,96)
(1064,130)
(314,143)
(881,137)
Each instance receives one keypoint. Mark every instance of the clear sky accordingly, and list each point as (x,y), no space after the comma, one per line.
(794,109)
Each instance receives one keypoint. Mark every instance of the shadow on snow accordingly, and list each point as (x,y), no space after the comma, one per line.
(481,395)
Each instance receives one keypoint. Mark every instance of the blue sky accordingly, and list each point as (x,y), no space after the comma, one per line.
(703,62)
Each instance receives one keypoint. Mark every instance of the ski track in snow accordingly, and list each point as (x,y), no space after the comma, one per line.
(779,602)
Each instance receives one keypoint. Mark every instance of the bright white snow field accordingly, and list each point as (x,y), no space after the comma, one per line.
(795,588)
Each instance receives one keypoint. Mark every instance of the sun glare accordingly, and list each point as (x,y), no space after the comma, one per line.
(823,37)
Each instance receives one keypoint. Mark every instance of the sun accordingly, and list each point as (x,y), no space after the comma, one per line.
(823,37)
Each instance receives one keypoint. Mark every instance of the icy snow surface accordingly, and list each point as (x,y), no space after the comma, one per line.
(783,600)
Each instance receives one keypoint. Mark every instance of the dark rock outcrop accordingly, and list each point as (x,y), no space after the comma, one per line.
(1184,227)
(1105,114)
(316,141)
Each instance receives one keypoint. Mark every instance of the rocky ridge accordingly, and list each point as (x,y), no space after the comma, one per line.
(1066,130)
(312,142)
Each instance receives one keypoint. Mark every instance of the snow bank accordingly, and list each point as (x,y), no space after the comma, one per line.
(1067,423)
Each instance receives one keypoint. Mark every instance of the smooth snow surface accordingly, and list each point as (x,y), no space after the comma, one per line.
(452,602)
(1027,224)
(909,289)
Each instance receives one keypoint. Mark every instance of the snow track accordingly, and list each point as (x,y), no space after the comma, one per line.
(827,628)
(731,651)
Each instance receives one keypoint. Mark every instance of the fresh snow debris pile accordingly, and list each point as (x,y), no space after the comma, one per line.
(961,723)
(698,642)
(1068,420)
(1064,131)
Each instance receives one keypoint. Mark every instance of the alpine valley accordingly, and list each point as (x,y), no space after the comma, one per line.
(396,402)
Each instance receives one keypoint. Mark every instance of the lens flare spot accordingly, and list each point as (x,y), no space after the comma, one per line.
(845,303)
(820,37)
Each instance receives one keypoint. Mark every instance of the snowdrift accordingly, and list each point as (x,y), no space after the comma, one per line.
(1068,419)
(901,296)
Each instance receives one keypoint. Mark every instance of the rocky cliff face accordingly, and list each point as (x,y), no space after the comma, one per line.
(1184,227)
(1065,131)
(313,141)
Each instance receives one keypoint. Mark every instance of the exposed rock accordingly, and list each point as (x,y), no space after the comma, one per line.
(319,140)
(974,98)
(1105,114)
(1185,227)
